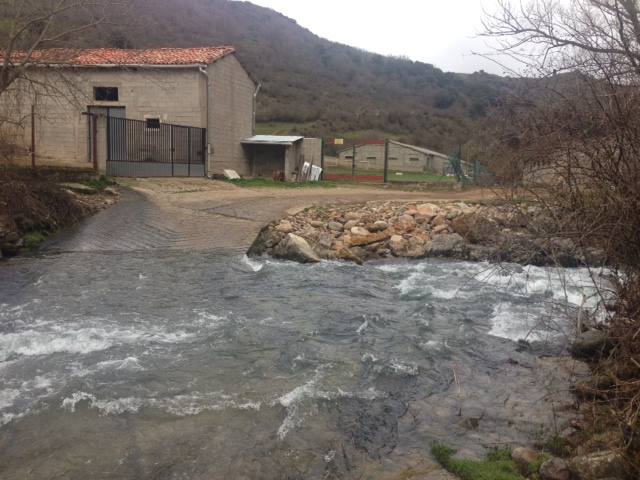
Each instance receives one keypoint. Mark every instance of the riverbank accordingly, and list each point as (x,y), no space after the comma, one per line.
(495,232)
(37,204)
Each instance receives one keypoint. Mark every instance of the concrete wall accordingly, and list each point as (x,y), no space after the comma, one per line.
(230,115)
(62,132)
(401,158)
(312,151)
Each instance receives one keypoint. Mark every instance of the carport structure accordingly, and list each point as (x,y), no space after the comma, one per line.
(274,156)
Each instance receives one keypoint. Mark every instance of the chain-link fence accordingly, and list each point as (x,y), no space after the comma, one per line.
(390,161)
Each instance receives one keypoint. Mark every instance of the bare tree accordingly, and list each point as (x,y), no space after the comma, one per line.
(572,141)
(30,26)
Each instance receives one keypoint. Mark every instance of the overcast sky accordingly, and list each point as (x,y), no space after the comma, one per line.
(441,32)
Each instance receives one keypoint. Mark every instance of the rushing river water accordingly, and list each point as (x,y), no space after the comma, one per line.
(184,365)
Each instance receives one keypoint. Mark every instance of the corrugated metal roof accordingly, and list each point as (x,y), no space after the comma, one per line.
(115,56)
(420,149)
(272,140)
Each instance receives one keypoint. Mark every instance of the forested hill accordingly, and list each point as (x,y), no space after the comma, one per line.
(322,87)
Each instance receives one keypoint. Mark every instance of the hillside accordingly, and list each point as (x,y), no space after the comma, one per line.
(313,86)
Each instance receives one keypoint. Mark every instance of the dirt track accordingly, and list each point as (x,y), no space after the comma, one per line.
(200,214)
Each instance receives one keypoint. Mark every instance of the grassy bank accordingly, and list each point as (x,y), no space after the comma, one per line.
(34,205)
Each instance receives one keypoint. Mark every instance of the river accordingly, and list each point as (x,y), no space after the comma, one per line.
(202,365)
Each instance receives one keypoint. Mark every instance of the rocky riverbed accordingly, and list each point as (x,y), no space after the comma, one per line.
(378,230)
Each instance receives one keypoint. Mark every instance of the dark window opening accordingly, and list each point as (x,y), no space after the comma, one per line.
(371,158)
(105,94)
(153,123)
(414,159)
(349,157)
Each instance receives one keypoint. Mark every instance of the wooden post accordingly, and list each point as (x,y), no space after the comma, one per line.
(33,136)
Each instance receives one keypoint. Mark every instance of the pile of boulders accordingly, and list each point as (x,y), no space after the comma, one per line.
(378,230)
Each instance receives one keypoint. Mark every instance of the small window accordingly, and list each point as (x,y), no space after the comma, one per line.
(372,158)
(414,159)
(393,159)
(349,157)
(105,94)
(153,123)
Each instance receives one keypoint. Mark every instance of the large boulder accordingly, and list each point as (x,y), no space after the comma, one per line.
(597,466)
(525,457)
(414,247)
(474,228)
(295,248)
(268,238)
(446,246)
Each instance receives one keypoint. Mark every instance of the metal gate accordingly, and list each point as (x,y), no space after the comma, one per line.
(149,148)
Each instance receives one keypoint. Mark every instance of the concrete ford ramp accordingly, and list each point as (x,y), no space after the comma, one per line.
(199,214)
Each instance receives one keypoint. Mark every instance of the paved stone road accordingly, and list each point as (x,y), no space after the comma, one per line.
(200,214)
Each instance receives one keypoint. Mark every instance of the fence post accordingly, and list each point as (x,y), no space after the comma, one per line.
(33,136)
(353,164)
(386,160)
(189,151)
(108,136)
(322,158)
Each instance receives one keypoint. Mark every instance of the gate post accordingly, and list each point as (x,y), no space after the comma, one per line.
(189,152)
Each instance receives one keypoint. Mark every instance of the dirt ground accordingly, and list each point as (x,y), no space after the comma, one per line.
(201,214)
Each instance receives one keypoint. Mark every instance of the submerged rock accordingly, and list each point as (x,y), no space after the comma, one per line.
(590,343)
(295,248)
(555,469)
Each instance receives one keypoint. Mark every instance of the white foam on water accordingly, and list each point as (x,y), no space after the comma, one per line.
(72,339)
(362,327)
(129,363)
(294,399)
(179,405)
(7,397)
(254,265)
(404,369)
(521,322)
(577,286)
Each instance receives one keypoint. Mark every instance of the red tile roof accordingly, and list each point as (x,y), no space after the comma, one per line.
(112,56)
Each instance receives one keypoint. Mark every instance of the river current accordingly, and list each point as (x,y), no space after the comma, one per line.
(197,365)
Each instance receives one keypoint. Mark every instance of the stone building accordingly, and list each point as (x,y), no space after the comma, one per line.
(402,157)
(155,112)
